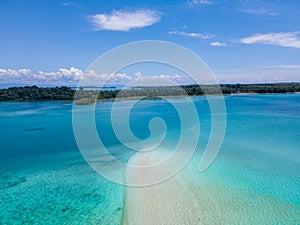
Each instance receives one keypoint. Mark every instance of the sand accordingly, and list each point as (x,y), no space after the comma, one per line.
(169,202)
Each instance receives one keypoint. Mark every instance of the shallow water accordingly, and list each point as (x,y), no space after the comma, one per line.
(255,178)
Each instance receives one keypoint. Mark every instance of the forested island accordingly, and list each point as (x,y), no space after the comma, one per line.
(82,96)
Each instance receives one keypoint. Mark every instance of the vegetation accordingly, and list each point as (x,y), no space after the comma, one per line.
(81,96)
(261,88)
(34,93)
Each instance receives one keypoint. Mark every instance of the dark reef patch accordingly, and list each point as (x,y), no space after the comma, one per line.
(8,181)
(34,129)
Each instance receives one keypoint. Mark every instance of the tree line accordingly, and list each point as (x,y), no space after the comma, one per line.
(82,96)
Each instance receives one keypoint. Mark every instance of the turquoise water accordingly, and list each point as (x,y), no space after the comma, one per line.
(255,179)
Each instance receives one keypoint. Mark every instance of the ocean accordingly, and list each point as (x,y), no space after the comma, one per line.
(255,178)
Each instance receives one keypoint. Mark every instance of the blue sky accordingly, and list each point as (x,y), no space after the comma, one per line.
(53,42)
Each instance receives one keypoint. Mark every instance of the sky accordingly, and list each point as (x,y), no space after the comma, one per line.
(242,41)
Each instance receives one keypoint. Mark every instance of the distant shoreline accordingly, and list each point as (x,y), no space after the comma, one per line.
(83,97)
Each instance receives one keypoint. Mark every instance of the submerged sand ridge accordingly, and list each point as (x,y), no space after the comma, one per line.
(190,198)
(169,202)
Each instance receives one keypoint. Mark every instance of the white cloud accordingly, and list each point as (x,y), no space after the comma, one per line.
(285,39)
(200,2)
(269,74)
(72,76)
(137,79)
(259,7)
(138,74)
(14,73)
(218,44)
(27,77)
(192,35)
(260,11)
(70,4)
(125,20)
(282,67)
(161,80)
(92,78)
